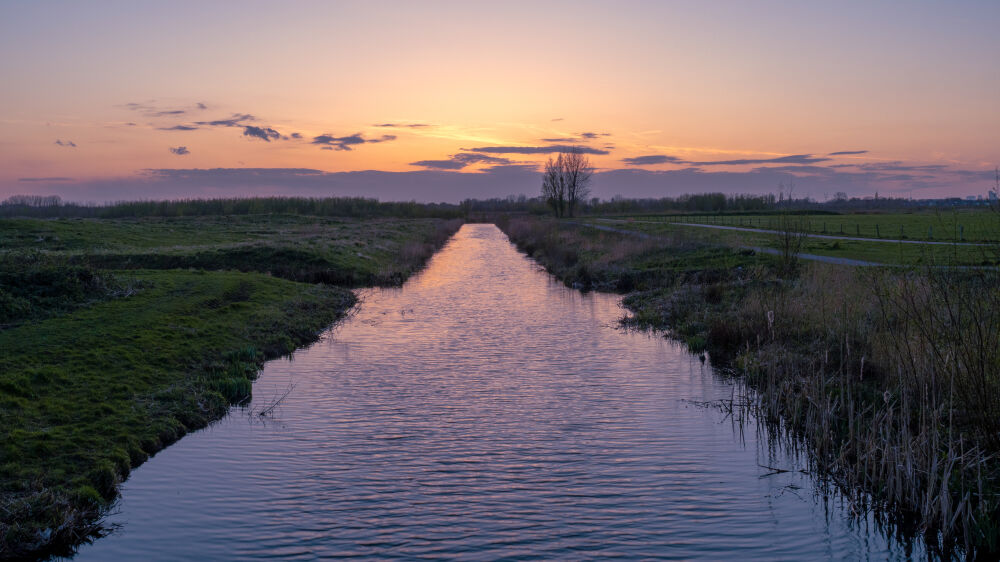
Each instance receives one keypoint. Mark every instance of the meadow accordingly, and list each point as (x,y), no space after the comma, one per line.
(942,225)
(118,336)
(888,250)
(888,377)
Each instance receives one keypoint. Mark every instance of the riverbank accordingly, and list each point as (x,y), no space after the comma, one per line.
(890,377)
(120,336)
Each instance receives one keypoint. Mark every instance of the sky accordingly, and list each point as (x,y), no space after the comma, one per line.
(439,101)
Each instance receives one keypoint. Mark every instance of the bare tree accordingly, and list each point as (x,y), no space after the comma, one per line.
(566,182)
(578,173)
(553,188)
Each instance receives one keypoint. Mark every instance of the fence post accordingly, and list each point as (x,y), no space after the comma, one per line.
(877,235)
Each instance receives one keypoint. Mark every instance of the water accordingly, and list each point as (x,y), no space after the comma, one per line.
(481,411)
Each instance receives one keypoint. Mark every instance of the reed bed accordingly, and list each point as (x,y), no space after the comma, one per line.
(888,378)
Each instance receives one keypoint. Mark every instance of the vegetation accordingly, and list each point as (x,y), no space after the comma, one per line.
(890,376)
(52,207)
(956,225)
(301,248)
(118,336)
(566,182)
(881,252)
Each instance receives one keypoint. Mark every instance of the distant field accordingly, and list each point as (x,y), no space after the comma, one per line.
(301,248)
(968,225)
(883,252)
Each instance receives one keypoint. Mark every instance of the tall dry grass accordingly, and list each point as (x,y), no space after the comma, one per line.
(892,379)
(889,378)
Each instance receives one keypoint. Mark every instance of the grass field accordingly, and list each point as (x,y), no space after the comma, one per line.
(119,336)
(883,252)
(888,377)
(302,248)
(954,225)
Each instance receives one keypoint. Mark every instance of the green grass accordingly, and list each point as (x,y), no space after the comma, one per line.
(119,336)
(878,252)
(968,225)
(314,249)
(86,396)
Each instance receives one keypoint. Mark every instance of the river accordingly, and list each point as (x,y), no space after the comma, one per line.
(483,411)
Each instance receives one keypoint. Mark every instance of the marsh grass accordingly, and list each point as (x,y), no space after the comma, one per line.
(889,379)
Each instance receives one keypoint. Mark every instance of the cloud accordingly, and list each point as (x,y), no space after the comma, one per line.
(296,135)
(331,142)
(500,180)
(550,149)
(461,160)
(557,119)
(408,125)
(236,120)
(67,144)
(651,159)
(846,152)
(52,178)
(180,150)
(263,133)
(150,110)
(440,164)
(901,167)
(791,159)
(581,137)
(510,169)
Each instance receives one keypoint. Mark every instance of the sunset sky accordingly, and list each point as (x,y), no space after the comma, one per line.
(437,101)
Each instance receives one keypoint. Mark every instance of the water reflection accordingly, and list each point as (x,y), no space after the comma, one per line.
(481,411)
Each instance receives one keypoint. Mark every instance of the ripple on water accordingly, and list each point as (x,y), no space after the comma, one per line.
(480,411)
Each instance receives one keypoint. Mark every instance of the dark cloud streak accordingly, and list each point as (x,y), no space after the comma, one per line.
(461,160)
(652,159)
(330,142)
(263,133)
(551,149)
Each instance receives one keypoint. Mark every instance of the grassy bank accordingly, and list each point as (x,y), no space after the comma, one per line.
(890,376)
(119,336)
